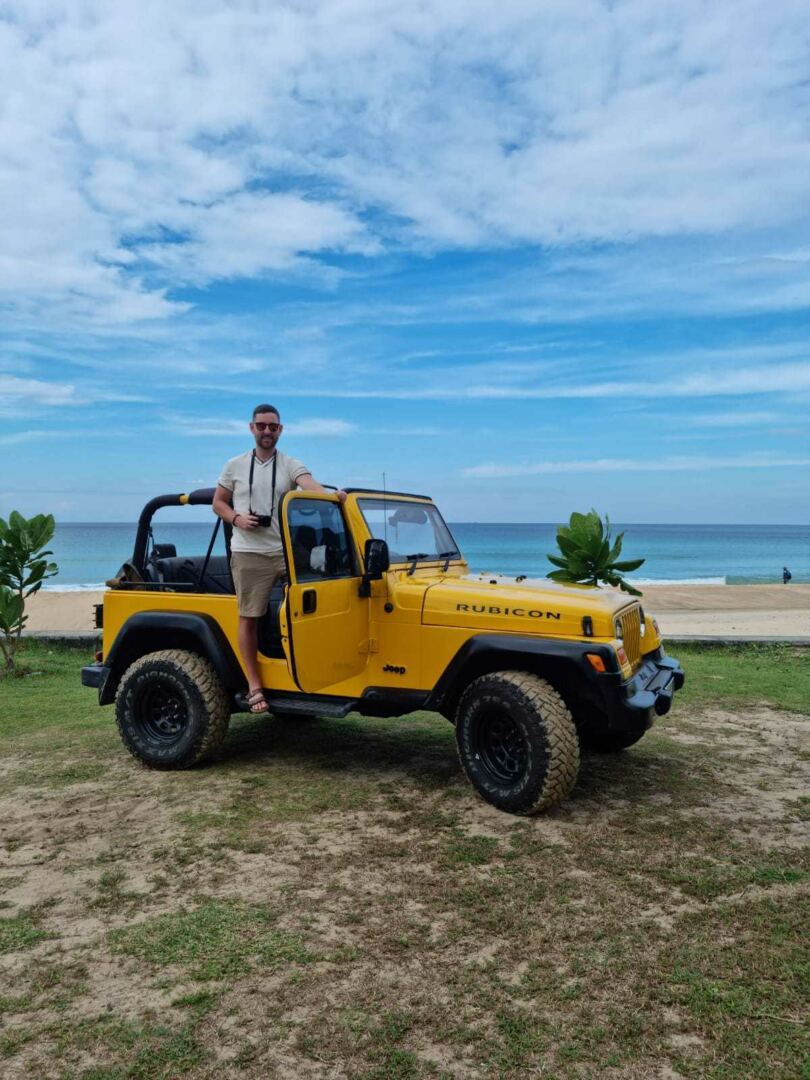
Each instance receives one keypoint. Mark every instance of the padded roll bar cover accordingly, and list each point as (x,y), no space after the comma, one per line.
(200,497)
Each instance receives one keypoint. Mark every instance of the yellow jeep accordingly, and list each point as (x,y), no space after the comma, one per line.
(379,615)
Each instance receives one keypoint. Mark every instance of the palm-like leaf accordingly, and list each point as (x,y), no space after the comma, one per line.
(588,556)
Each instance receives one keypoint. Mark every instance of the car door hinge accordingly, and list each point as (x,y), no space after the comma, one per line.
(370,645)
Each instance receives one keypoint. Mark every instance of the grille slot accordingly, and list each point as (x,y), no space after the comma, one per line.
(631,633)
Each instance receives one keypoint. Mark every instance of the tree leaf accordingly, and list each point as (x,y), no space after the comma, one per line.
(628,565)
(561,575)
(629,588)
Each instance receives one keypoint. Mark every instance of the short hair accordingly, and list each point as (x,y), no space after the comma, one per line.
(266,408)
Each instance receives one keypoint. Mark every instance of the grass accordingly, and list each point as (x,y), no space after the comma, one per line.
(213,941)
(331,899)
(770,674)
(19,932)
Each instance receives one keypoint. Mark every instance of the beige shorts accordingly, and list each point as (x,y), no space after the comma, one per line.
(254,576)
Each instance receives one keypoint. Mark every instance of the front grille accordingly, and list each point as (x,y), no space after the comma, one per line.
(631,633)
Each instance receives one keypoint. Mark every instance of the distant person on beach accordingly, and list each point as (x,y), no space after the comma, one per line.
(247,497)
(786,575)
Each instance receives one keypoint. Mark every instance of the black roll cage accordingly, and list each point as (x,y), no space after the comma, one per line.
(200,497)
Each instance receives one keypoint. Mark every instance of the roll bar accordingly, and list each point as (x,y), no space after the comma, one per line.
(200,497)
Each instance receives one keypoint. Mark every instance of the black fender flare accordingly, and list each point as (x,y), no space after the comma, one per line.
(513,652)
(148,631)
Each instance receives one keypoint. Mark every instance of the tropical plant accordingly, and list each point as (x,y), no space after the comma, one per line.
(587,555)
(24,567)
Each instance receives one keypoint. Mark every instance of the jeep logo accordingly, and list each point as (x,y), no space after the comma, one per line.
(394,670)
(532,613)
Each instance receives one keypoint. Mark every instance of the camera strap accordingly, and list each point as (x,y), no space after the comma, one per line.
(250,486)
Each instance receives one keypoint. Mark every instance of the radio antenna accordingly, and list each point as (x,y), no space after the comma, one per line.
(385,512)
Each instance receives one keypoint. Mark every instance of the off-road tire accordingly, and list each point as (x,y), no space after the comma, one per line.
(171,709)
(517,742)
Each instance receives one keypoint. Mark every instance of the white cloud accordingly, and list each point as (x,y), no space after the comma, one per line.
(150,145)
(21,437)
(16,393)
(320,428)
(710,381)
(35,391)
(618,466)
(733,419)
(314,427)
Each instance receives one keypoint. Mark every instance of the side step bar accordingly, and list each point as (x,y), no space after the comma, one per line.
(300,705)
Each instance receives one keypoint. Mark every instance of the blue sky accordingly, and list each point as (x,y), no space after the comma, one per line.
(529,258)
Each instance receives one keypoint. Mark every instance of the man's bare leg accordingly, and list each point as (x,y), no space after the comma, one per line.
(248,636)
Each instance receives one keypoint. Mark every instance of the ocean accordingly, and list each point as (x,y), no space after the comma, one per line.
(87,554)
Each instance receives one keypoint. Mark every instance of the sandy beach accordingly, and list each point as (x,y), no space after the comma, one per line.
(682,610)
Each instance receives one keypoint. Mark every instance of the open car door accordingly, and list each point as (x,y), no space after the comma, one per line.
(328,620)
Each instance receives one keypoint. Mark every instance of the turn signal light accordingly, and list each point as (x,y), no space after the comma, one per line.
(622,655)
(596,661)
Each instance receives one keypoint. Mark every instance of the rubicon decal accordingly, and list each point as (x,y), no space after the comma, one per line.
(521,613)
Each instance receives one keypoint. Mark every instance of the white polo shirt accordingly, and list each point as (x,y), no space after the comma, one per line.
(235,477)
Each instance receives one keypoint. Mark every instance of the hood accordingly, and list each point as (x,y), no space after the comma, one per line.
(492,602)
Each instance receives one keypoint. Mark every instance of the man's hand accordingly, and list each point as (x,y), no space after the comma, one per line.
(246,522)
(342,495)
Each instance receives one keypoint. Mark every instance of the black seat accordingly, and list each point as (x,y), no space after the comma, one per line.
(269,629)
(184,574)
(304,539)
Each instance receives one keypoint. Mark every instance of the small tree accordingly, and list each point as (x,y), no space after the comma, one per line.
(24,567)
(587,556)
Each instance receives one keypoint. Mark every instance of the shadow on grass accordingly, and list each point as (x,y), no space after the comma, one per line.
(423,747)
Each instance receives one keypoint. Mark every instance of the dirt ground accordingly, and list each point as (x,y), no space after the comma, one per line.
(333,901)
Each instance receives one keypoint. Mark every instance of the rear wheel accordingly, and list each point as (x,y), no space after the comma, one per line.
(171,709)
(517,741)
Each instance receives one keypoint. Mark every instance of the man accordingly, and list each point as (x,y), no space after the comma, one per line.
(247,497)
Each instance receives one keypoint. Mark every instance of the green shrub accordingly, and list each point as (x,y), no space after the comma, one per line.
(24,567)
(587,556)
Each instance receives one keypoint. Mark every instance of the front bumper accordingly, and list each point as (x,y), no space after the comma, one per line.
(96,675)
(652,686)
(632,705)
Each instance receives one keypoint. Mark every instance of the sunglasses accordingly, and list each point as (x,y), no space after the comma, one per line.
(272,428)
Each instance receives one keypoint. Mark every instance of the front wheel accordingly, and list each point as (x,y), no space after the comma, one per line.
(171,709)
(517,741)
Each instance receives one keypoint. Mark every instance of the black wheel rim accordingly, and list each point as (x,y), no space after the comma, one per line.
(500,746)
(162,713)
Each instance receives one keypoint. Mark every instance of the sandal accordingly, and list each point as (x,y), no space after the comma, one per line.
(256,701)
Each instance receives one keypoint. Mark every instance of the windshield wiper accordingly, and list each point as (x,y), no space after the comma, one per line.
(414,559)
(447,556)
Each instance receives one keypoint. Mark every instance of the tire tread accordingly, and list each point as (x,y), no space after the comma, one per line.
(559,729)
(201,672)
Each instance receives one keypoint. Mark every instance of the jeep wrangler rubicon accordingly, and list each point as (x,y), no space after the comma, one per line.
(379,615)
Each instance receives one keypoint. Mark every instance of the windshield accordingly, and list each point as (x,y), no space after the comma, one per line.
(413,531)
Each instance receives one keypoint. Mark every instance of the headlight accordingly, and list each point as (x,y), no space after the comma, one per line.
(643,621)
(617,629)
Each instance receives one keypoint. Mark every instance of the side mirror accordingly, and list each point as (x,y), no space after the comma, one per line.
(377,560)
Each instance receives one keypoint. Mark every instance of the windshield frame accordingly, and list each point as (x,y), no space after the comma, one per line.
(390,504)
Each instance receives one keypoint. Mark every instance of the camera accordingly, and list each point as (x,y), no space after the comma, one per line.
(264,520)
